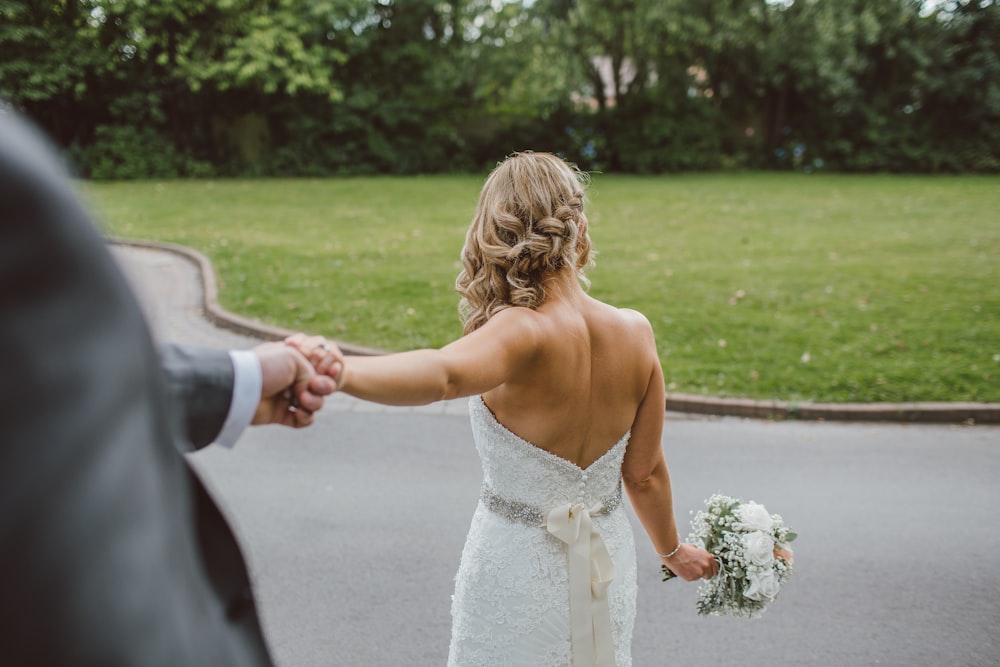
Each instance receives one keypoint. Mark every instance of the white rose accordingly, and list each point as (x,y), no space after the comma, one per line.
(759,548)
(763,587)
(755,517)
(769,585)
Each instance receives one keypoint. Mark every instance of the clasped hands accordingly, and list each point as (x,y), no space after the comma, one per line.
(297,374)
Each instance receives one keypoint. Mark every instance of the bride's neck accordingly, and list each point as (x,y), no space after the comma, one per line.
(564,286)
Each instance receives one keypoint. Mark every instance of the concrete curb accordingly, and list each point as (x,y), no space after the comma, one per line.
(937,412)
(210,298)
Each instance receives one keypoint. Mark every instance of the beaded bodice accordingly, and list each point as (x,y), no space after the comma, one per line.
(521,472)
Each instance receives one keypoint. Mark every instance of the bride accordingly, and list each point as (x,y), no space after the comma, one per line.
(567,408)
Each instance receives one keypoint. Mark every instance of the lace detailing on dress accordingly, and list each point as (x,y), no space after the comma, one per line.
(522,471)
(511,602)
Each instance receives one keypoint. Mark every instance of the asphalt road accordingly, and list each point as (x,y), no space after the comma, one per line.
(354,528)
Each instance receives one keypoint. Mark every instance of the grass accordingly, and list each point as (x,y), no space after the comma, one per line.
(824,288)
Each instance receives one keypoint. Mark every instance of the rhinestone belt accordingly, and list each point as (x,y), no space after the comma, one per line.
(518,512)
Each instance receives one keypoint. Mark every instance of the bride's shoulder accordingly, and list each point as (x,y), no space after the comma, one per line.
(630,318)
(512,314)
(515,318)
(625,320)
(637,322)
(635,317)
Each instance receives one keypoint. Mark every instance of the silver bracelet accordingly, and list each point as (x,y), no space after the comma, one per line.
(672,553)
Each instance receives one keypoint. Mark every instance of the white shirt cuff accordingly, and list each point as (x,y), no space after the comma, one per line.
(247,384)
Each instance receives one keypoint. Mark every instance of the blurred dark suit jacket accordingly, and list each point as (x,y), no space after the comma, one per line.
(111,551)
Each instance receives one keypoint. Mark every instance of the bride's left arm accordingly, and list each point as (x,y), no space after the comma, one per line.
(473,364)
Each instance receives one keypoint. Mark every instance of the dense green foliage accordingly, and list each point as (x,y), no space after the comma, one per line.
(315,87)
(825,287)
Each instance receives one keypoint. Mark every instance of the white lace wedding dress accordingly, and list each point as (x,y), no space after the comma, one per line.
(548,574)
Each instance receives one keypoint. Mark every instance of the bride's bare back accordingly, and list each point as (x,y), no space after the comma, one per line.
(591,369)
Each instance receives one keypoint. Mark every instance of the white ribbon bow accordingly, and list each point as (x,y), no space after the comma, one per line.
(591,571)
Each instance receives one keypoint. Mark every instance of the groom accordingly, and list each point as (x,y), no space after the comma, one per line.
(111,550)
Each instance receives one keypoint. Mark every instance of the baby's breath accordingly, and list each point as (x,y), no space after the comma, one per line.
(746,582)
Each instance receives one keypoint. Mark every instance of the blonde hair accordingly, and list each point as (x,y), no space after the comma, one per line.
(529,225)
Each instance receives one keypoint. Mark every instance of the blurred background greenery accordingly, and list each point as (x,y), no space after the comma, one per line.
(140,88)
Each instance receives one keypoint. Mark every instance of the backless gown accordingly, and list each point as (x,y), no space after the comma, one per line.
(548,574)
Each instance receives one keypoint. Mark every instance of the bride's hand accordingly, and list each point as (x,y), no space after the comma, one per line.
(324,355)
(690,563)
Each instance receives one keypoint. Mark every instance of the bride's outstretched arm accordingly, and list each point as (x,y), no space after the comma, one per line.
(470,365)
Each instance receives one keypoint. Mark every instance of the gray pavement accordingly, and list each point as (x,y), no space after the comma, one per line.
(354,528)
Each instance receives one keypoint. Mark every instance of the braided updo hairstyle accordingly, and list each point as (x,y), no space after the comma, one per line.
(529,225)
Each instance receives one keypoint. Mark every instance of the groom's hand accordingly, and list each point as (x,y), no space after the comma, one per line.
(292,390)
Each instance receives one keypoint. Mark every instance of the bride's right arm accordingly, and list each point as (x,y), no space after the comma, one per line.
(470,365)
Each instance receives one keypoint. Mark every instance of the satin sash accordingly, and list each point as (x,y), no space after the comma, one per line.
(591,571)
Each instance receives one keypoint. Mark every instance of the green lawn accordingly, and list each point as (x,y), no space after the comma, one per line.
(826,288)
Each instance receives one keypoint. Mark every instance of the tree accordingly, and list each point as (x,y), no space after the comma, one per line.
(314,87)
(960,98)
(49,55)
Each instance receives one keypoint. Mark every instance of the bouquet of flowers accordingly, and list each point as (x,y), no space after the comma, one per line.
(751,547)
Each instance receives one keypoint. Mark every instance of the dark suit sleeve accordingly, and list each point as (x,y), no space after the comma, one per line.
(199,390)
